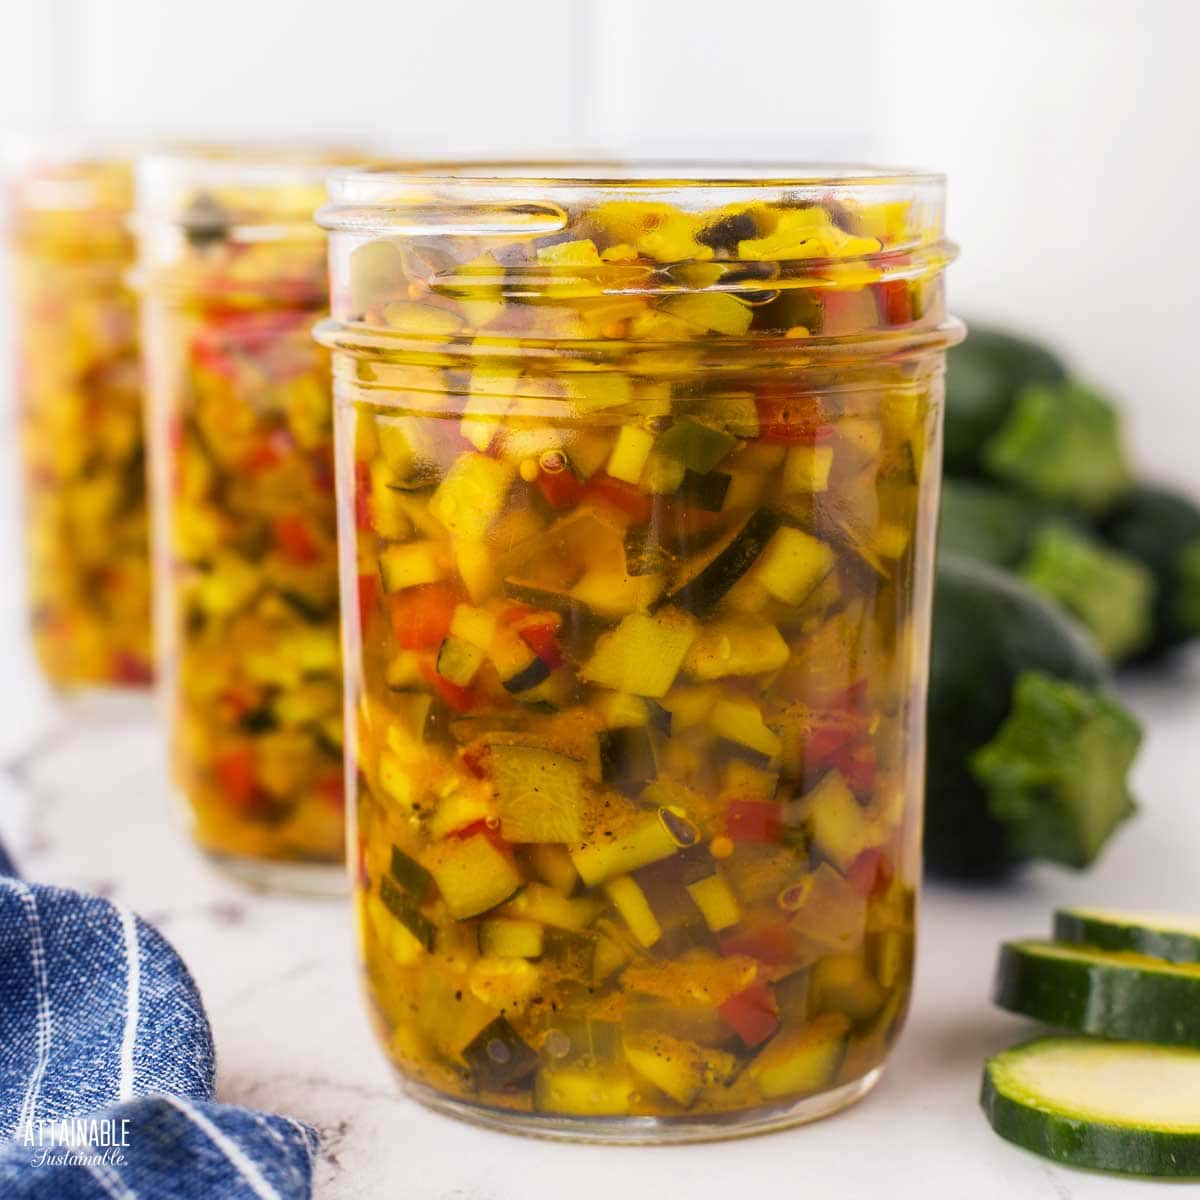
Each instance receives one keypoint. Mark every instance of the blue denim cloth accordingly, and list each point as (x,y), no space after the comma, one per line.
(99,1019)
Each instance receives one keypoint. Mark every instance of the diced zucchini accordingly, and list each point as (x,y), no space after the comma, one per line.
(806,469)
(630,453)
(678,1068)
(800,1061)
(643,654)
(689,705)
(612,594)
(738,720)
(592,391)
(705,492)
(472,495)
(499,1059)
(477,568)
(458,661)
(891,539)
(721,312)
(662,475)
(584,1090)
(554,865)
(474,625)
(842,983)
(699,447)
(793,563)
(621,711)
(519,668)
(735,645)
(647,839)
(406,910)
(539,793)
(1104,1106)
(461,808)
(422,320)
(859,440)
(410,564)
(705,579)
(840,825)
(630,901)
(409,873)
(716,902)
(627,759)
(511,937)
(490,396)
(472,874)
(537,902)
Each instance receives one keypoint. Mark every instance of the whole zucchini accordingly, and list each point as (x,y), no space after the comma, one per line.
(1161,528)
(1028,751)
(983,376)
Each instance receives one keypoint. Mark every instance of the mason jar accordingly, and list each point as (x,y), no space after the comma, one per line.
(232,274)
(79,412)
(637,475)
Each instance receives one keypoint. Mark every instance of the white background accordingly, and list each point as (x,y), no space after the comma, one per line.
(1070,130)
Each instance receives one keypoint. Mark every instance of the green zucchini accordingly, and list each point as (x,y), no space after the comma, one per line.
(983,376)
(539,794)
(699,447)
(404,907)
(1028,749)
(705,492)
(703,580)
(1108,1106)
(1175,939)
(457,661)
(1100,992)
(1161,529)
(409,873)
(499,1059)
(627,758)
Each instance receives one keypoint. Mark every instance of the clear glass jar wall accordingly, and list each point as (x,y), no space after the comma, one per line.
(79,402)
(637,484)
(233,273)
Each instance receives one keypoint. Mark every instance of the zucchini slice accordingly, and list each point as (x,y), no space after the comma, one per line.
(1108,1106)
(1161,935)
(1106,993)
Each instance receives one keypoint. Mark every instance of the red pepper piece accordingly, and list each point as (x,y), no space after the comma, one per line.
(859,767)
(753,821)
(234,769)
(458,698)
(767,939)
(560,489)
(270,451)
(132,670)
(421,615)
(871,873)
(542,639)
(751,1014)
(790,418)
(894,301)
(331,787)
(622,496)
(825,743)
(490,830)
(295,539)
(362,496)
(368,589)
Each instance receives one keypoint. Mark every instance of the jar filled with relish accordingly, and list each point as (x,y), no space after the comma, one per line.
(79,405)
(232,271)
(637,473)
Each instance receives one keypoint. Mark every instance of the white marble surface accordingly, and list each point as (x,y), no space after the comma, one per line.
(90,810)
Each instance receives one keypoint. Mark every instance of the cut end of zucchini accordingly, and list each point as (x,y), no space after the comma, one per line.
(1128,1107)
(1055,773)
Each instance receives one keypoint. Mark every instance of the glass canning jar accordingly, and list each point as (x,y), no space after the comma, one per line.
(637,476)
(232,271)
(79,404)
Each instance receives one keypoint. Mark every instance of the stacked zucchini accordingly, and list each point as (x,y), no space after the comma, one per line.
(1127,1097)
(1056,567)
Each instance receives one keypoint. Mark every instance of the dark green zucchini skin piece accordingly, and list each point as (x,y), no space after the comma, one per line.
(1089,1144)
(627,759)
(700,591)
(705,492)
(1161,528)
(499,1059)
(528,677)
(1138,935)
(1096,993)
(983,376)
(988,629)
(409,873)
(404,907)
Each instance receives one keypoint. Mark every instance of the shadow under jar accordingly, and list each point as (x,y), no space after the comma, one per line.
(79,403)
(637,487)
(232,270)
